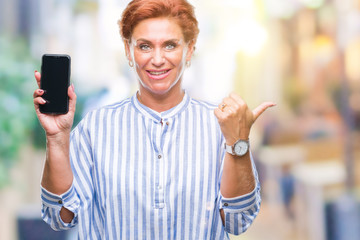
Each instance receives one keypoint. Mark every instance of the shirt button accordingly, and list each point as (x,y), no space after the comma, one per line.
(159,187)
(226,204)
(167,123)
(159,156)
(60,202)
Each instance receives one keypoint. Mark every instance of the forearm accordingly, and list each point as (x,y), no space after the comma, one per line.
(237,177)
(240,202)
(57,175)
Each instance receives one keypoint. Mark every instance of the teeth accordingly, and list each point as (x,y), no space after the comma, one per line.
(157,73)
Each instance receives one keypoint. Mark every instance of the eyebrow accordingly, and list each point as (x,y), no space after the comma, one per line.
(166,41)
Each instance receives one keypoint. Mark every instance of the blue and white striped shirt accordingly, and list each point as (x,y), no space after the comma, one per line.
(140,174)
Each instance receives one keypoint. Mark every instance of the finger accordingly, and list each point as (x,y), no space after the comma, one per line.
(233,104)
(229,101)
(72,98)
(37,77)
(261,108)
(220,115)
(221,106)
(237,98)
(39,101)
(38,92)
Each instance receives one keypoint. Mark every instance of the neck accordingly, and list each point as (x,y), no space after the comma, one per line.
(160,103)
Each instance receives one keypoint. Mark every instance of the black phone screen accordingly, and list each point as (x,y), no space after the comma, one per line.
(55,80)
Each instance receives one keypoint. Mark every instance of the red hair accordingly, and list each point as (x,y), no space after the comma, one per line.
(179,10)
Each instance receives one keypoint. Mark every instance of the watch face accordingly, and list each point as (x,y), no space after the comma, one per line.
(241,148)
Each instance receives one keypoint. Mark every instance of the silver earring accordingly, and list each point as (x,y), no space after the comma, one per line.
(131,63)
(188,64)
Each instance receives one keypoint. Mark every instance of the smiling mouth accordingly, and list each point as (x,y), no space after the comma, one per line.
(157,73)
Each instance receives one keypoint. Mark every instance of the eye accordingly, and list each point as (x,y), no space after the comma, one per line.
(170,46)
(144,47)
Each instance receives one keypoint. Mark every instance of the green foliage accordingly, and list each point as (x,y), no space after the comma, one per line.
(17,115)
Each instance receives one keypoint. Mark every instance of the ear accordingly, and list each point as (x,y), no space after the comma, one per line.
(127,50)
(191,49)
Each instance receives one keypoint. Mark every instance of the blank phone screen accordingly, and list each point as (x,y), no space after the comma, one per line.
(55,75)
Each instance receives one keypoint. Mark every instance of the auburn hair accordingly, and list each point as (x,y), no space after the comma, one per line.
(179,10)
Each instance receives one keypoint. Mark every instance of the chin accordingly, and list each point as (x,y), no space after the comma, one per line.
(159,88)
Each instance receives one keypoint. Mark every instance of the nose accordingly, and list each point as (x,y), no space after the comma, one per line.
(158,58)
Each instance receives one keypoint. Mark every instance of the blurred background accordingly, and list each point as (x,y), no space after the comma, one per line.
(302,54)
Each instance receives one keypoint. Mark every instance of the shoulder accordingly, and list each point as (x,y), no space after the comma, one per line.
(100,115)
(203,105)
(108,109)
(113,107)
(204,110)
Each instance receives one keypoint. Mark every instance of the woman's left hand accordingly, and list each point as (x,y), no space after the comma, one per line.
(236,119)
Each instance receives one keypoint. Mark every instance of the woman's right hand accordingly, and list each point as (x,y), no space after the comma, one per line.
(54,124)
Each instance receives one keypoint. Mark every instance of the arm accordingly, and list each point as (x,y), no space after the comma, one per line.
(240,190)
(237,178)
(57,175)
(238,212)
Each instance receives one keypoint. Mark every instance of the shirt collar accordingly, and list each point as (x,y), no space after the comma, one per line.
(156,116)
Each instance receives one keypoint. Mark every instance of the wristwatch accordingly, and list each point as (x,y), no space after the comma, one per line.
(240,148)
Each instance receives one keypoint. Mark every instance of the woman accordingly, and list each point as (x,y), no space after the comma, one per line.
(152,166)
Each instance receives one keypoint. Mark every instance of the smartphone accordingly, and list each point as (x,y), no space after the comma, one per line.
(55,80)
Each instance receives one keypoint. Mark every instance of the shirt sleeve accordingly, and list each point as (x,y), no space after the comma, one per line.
(80,194)
(241,211)
(52,205)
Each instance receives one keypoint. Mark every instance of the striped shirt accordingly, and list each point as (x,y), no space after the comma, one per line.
(140,174)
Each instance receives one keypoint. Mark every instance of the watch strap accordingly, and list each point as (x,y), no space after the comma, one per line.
(229,149)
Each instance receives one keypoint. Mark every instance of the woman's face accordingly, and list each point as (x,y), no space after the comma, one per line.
(159,53)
